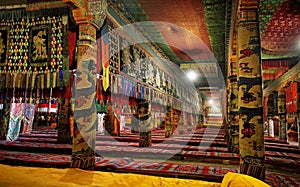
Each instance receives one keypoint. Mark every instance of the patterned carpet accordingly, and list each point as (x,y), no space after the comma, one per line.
(41,149)
(128,165)
(163,148)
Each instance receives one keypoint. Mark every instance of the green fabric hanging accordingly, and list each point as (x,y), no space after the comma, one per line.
(66,74)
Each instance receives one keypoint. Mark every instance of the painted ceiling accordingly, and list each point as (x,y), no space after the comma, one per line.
(185,28)
(197,29)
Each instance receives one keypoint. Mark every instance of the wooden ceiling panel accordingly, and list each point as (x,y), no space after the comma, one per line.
(185,30)
(282,32)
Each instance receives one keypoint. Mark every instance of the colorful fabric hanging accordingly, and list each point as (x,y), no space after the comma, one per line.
(71,45)
(47,75)
(100,128)
(105,57)
(122,123)
(29,110)
(54,78)
(16,110)
(61,78)
(72,122)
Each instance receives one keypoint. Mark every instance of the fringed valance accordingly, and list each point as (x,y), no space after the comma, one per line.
(19,13)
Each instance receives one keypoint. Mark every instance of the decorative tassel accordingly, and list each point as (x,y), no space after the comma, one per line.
(37,82)
(28,78)
(2,79)
(34,74)
(53,79)
(57,77)
(20,78)
(47,72)
(61,78)
(14,78)
(24,80)
(7,83)
(71,119)
(41,75)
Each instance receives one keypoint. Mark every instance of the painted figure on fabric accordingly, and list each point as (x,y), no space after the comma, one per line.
(28,117)
(40,51)
(16,117)
(2,46)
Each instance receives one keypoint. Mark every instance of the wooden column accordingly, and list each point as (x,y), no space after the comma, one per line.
(145,127)
(233,116)
(282,115)
(169,125)
(251,133)
(89,15)
(83,149)
(298,108)
(270,115)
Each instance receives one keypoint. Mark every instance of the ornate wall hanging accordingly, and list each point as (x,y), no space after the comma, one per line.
(39,45)
(3,44)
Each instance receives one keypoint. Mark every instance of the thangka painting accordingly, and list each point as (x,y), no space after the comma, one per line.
(3,46)
(39,46)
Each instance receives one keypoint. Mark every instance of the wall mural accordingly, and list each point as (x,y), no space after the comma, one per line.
(39,45)
(31,42)
(3,45)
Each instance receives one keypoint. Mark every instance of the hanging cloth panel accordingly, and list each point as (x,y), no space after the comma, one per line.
(100,128)
(29,110)
(16,110)
(105,57)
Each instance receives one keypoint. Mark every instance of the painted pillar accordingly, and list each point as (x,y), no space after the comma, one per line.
(251,133)
(83,149)
(169,125)
(89,15)
(181,126)
(63,126)
(234,116)
(227,113)
(282,115)
(270,115)
(298,109)
(298,126)
(145,127)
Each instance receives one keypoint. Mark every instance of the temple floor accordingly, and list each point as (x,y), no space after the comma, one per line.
(200,155)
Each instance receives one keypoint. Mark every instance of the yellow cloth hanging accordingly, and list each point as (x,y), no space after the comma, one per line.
(71,120)
(105,64)
(105,79)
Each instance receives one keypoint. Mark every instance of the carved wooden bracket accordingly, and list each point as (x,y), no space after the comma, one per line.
(88,11)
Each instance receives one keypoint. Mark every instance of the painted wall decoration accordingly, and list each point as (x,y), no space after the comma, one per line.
(39,46)
(97,10)
(3,44)
(32,42)
(291,97)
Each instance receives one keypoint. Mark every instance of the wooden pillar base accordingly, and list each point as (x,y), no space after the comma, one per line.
(64,136)
(84,161)
(145,139)
(235,144)
(168,130)
(253,167)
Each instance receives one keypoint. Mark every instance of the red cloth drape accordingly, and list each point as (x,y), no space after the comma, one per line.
(71,45)
(275,63)
(291,98)
(265,107)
